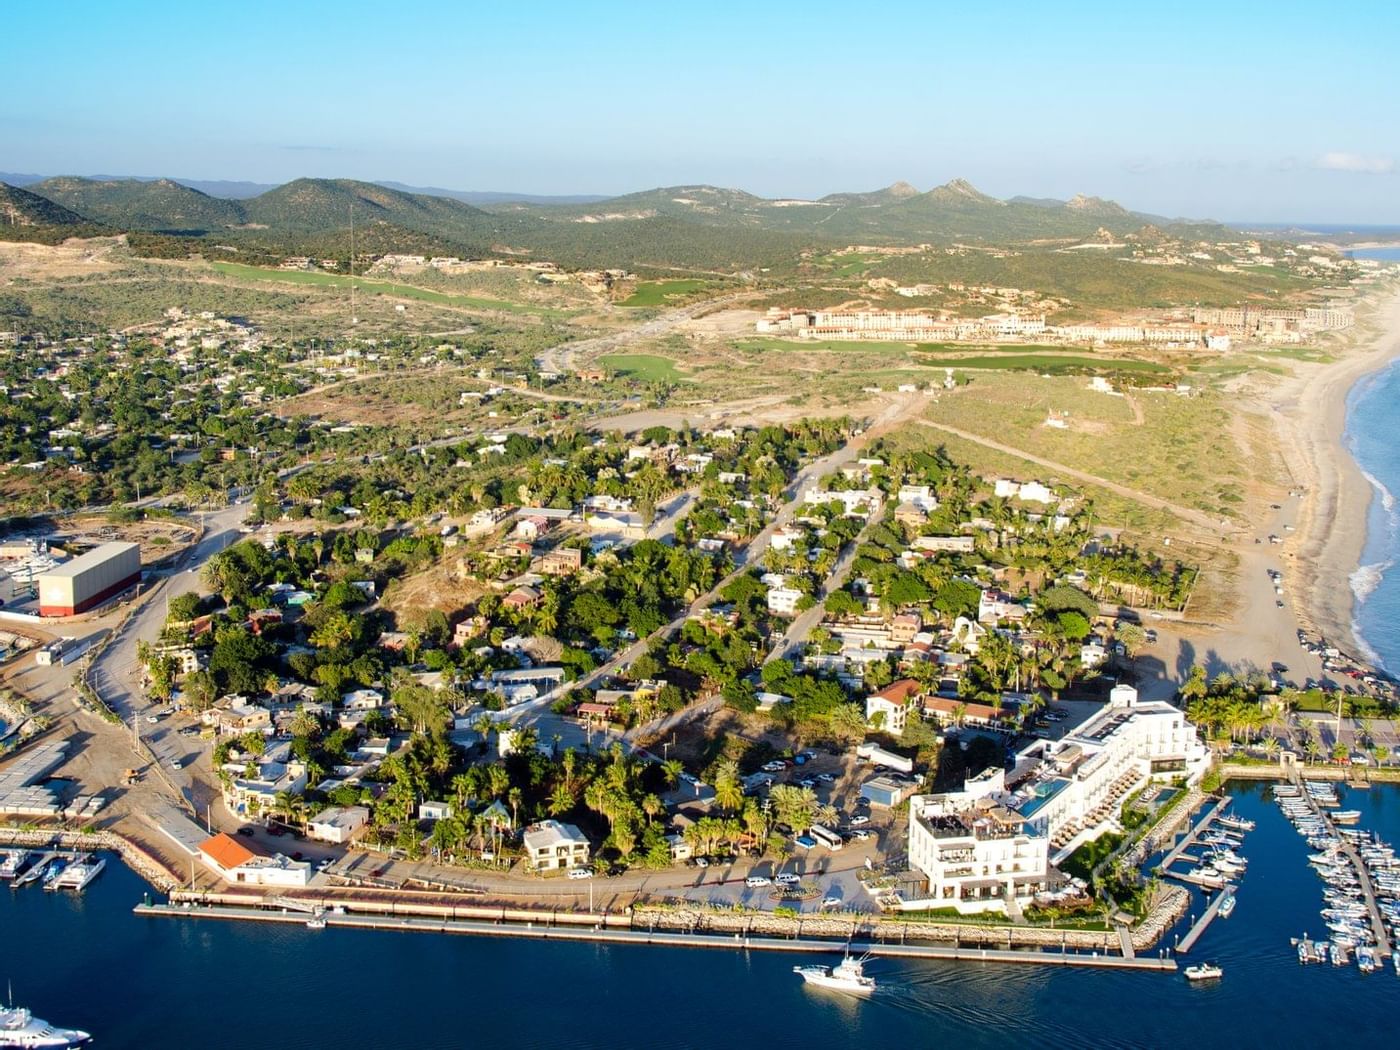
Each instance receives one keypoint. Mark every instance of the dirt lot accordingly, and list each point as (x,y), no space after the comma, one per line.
(440,587)
(73,258)
(159,538)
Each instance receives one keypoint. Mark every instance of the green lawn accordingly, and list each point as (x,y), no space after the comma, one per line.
(400,291)
(659,293)
(647,367)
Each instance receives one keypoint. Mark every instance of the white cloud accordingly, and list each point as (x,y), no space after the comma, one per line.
(1356,162)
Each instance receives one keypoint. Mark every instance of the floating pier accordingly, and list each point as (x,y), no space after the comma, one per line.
(1207,917)
(1195,832)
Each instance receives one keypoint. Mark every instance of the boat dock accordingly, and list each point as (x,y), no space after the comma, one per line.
(599,933)
(1368,894)
(1368,889)
(1191,836)
(1207,917)
(36,870)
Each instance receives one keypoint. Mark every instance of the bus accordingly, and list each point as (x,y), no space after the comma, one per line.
(828,838)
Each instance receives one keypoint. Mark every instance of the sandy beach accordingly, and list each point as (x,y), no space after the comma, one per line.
(1330,531)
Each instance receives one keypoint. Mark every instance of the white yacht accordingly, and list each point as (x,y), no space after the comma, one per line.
(846,976)
(21,1029)
(12,862)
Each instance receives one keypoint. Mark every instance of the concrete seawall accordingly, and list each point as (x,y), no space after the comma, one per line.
(604,933)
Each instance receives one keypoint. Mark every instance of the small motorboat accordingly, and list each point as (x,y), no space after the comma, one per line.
(1204,972)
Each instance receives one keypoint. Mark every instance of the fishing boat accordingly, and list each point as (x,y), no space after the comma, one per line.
(846,976)
(316,922)
(1346,816)
(55,870)
(1227,905)
(1204,972)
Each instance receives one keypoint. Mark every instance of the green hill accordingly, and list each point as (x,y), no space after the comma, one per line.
(158,204)
(21,208)
(899,213)
(323,205)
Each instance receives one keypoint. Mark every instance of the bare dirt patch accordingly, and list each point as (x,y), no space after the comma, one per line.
(158,537)
(72,258)
(444,587)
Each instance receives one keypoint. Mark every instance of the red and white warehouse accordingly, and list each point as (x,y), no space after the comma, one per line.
(89,579)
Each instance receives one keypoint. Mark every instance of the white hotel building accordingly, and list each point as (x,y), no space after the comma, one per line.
(978,846)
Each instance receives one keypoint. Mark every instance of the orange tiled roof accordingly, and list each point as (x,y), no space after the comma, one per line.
(226,851)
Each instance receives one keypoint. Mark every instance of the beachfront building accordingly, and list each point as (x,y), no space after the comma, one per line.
(1072,789)
(237,862)
(553,846)
(976,854)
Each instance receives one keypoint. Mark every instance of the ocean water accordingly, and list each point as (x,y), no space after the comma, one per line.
(1381,254)
(158,983)
(1371,433)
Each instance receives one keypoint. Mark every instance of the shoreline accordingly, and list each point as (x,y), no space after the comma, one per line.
(1311,416)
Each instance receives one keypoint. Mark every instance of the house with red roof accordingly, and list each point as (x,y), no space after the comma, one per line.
(892,703)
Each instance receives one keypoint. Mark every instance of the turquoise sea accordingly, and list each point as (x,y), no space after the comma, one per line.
(1371,436)
(162,983)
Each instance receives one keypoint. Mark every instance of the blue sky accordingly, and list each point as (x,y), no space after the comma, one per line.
(1279,111)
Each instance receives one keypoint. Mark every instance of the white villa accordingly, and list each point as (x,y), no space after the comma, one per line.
(551,845)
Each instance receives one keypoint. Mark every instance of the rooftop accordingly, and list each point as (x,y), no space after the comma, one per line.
(96,556)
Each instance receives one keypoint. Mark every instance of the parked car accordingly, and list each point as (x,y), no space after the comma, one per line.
(246,831)
(580,873)
(859,819)
(787,878)
(860,835)
(831,902)
(702,862)
(826,778)
(754,882)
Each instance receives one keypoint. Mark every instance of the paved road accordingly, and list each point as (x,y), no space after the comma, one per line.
(116,672)
(804,622)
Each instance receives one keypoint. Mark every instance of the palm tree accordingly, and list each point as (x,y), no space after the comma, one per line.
(729,791)
(672,768)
